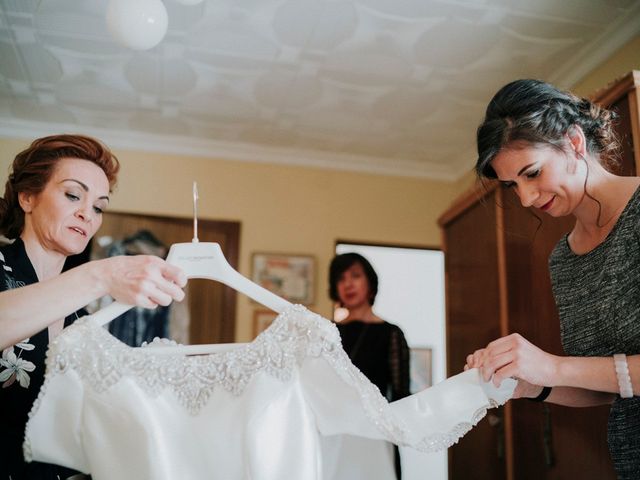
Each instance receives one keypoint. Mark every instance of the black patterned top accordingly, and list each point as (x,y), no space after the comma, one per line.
(21,376)
(598,299)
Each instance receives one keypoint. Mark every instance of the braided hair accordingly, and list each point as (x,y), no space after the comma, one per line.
(532,112)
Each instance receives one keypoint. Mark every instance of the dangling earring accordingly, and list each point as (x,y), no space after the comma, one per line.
(586,179)
(340,314)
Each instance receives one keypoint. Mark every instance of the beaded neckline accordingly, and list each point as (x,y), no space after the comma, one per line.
(102,360)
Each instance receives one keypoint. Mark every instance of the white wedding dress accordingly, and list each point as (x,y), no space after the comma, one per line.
(255,411)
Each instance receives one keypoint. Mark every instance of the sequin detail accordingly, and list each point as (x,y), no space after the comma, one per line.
(101,361)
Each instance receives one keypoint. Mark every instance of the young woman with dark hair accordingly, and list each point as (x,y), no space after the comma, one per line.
(554,150)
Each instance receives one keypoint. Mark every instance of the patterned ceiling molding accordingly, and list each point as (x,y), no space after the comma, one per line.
(173,144)
(393,87)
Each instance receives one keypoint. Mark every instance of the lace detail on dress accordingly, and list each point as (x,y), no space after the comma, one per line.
(438,442)
(101,361)
(160,342)
(379,412)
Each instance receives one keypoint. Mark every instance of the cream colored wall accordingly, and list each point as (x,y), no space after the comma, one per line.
(627,58)
(281,209)
(466,182)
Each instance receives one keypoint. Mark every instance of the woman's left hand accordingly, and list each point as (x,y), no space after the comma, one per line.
(514,356)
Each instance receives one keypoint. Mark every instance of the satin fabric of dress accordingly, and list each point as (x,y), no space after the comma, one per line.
(346,457)
(255,412)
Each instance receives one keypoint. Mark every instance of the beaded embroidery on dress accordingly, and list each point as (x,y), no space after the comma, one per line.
(296,338)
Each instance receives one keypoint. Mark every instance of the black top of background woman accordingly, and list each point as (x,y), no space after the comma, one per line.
(378,348)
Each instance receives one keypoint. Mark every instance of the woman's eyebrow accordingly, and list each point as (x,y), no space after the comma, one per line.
(84,187)
(524,168)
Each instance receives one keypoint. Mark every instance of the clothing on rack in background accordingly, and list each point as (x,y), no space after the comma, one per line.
(141,325)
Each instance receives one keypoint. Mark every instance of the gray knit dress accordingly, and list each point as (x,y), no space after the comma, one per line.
(598,299)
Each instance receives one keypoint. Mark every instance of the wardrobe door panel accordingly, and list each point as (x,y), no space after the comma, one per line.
(546,437)
(530,237)
(627,162)
(473,321)
(621,96)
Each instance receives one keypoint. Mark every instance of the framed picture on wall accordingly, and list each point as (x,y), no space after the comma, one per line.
(261,320)
(420,369)
(291,277)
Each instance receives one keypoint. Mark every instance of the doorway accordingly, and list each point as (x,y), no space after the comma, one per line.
(411,295)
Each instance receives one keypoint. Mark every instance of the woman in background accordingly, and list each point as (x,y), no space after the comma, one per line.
(52,206)
(378,348)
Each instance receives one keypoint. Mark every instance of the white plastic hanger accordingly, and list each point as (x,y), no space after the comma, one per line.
(203,260)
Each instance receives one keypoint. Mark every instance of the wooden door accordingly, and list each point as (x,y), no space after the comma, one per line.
(473,320)
(211,305)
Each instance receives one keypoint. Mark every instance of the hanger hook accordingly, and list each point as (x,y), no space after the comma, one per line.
(195,212)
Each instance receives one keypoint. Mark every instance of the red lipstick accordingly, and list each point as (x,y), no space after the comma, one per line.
(547,205)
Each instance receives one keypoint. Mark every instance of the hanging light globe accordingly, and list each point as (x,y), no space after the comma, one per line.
(137,24)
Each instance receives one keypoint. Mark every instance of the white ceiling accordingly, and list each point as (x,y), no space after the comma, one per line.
(384,86)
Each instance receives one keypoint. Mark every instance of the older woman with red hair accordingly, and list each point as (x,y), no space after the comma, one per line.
(54,198)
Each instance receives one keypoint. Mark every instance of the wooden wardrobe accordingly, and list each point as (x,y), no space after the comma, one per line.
(497,283)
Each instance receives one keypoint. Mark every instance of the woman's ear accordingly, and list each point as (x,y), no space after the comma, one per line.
(26,201)
(577,140)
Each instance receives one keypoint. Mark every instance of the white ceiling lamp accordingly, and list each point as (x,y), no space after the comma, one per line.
(138,24)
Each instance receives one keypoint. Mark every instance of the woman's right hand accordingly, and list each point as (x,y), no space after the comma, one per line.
(142,280)
(523,389)
(514,356)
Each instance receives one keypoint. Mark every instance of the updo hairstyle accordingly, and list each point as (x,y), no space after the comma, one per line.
(532,113)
